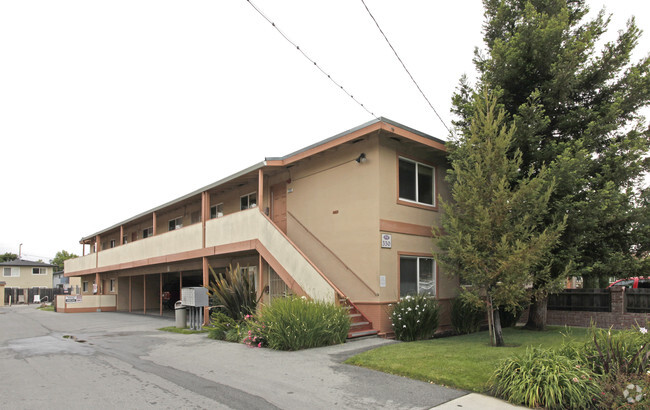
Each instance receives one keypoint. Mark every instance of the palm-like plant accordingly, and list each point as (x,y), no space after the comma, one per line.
(233,293)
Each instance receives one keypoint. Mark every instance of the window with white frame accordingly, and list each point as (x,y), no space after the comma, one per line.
(84,286)
(112,285)
(417,275)
(416,182)
(11,272)
(112,243)
(147,232)
(176,223)
(248,201)
(39,271)
(216,211)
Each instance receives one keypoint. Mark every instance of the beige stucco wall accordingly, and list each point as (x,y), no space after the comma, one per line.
(81,263)
(181,240)
(87,302)
(27,279)
(335,198)
(250,225)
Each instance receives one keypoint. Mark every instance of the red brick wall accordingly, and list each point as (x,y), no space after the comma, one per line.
(617,318)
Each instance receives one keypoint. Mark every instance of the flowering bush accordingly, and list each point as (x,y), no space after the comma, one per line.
(546,378)
(296,323)
(415,318)
(256,335)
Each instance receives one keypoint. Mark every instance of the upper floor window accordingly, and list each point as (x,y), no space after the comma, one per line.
(248,201)
(147,232)
(124,240)
(417,275)
(11,272)
(176,223)
(112,243)
(38,271)
(416,182)
(216,211)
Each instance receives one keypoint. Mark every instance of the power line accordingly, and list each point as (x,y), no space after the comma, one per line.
(403,65)
(308,58)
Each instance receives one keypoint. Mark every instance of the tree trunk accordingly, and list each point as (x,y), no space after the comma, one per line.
(498,334)
(537,314)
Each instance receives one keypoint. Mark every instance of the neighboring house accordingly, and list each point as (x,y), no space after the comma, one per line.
(21,275)
(71,286)
(346,220)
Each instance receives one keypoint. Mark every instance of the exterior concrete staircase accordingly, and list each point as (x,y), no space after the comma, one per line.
(360,326)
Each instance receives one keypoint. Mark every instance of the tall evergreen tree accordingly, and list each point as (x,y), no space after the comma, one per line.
(576,110)
(493,230)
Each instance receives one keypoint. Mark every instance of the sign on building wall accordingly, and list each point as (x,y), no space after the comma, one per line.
(386,240)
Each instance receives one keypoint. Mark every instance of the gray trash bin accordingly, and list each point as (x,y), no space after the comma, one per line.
(181,315)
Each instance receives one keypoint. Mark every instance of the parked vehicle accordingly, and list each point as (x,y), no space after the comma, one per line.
(638,282)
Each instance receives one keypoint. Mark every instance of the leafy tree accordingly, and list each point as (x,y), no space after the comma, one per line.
(492,235)
(61,257)
(7,257)
(576,111)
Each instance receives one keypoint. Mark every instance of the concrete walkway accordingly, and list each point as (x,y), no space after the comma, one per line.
(111,360)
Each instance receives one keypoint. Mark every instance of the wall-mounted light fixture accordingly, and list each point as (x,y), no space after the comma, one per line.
(361,158)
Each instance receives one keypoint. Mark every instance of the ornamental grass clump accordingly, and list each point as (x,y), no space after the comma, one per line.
(415,318)
(297,323)
(546,378)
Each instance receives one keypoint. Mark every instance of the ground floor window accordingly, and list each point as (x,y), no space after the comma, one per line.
(417,275)
(112,285)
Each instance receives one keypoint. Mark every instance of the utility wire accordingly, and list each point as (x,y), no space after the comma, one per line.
(308,58)
(406,69)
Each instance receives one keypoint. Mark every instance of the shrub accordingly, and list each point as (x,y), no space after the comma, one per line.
(618,352)
(256,334)
(220,324)
(546,378)
(296,323)
(509,318)
(415,318)
(233,293)
(466,314)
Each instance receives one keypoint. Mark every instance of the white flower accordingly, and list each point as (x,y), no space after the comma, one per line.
(404,326)
(643,330)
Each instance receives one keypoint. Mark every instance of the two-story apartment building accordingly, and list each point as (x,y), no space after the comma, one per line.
(347,218)
(21,275)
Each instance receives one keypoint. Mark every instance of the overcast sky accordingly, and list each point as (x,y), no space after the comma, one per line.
(110,108)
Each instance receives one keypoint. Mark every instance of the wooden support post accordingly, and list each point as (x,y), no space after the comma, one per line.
(130,293)
(161,292)
(260,190)
(144,293)
(206,282)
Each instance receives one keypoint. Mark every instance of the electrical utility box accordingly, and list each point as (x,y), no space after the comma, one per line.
(195,296)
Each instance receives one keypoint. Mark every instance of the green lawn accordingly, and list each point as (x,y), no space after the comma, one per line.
(465,362)
(175,329)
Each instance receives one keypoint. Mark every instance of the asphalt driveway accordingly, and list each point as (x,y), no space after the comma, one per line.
(118,360)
